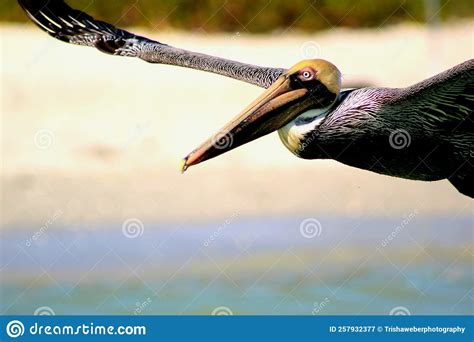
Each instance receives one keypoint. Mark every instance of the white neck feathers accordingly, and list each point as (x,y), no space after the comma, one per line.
(293,133)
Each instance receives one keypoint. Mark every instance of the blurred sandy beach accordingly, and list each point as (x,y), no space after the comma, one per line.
(100,138)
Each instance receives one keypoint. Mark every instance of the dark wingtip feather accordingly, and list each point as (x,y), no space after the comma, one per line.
(73,26)
(47,14)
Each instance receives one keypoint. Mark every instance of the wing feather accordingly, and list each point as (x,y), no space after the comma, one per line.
(446,100)
(76,27)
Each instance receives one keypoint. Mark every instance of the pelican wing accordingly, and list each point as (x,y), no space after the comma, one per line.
(445,100)
(73,26)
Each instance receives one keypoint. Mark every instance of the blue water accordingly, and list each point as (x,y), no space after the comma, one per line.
(249,266)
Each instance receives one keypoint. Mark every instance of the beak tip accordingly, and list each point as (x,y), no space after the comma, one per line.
(184,165)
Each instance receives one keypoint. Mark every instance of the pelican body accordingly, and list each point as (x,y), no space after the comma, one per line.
(423,132)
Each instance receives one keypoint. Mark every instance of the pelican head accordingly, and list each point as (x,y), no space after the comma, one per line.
(309,85)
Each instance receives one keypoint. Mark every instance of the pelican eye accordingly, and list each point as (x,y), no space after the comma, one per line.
(307,74)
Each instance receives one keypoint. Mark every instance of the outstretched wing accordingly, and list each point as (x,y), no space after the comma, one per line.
(76,27)
(445,100)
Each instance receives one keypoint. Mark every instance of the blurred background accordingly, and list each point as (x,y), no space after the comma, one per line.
(97,219)
(263,16)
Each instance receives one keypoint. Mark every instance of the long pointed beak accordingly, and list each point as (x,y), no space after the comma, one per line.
(277,106)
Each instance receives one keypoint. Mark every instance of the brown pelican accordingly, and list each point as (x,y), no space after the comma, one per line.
(423,132)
